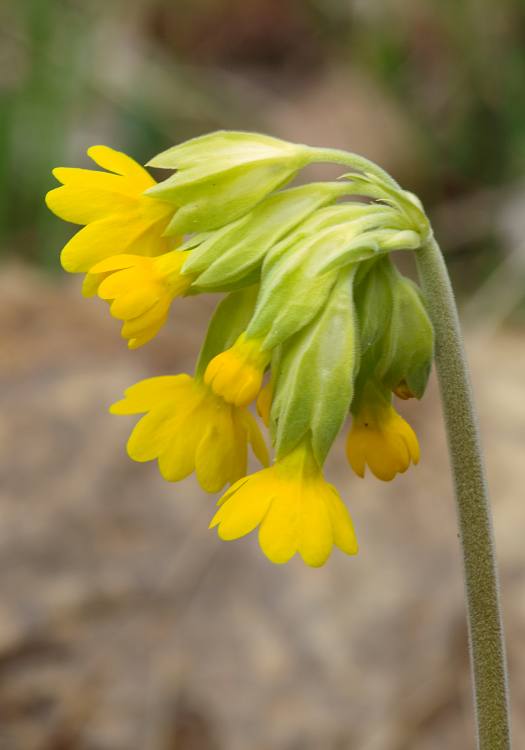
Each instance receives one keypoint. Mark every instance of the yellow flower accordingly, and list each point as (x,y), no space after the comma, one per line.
(381,438)
(295,508)
(237,373)
(188,428)
(119,218)
(140,289)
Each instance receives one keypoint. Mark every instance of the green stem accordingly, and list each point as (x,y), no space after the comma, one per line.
(487,646)
(348,159)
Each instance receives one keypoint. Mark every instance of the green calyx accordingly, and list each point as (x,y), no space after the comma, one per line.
(222,258)
(397,339)
(222,176)
(299,272)
(409,346)
(314,375)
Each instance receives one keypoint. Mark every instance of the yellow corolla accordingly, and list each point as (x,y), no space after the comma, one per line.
(237,373)
(381,439)
(119,218)
(188,428)
(140,289)
(295,509)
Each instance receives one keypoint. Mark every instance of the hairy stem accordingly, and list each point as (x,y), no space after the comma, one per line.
(487,646)
(354,161)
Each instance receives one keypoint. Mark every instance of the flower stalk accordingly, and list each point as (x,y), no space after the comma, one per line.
(486,640)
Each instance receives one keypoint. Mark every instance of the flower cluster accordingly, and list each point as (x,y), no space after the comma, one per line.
(316,323)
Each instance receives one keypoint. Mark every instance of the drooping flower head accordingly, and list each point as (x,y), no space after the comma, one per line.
(315,308)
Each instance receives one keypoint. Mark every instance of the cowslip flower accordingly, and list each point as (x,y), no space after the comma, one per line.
(118,216)
(380,438)
(140,290)
(237,373)
(187,428)
(294,507)
(314,304)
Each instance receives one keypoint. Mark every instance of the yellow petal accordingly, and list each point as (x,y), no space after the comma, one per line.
(154,316)
(177,461)
(124,233)
(117,161)
(116,263)
(152,392)
(229,493)
(145,336)
(254,436)
(152,433)
(97,181)
(278,533)
(239,448)
(243,511)
(387,456)
(214,459)
(119,282)
(315,527)
(249,387)
(82,205)
(91,283)
(344,535)
(133,304)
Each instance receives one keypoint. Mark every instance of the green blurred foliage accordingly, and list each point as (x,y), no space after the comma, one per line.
(142,74)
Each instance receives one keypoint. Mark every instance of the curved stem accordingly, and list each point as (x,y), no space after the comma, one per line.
(487,646)
(348,159)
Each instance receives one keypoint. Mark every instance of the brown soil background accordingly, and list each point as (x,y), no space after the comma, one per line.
(125,624)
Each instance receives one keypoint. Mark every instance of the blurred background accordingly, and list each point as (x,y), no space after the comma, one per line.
(124,623)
